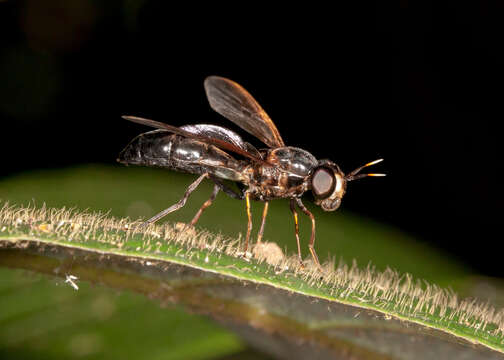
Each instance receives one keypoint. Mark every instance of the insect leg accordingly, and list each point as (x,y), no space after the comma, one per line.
(312,237)
(249,226)
(261,230)
(227,190)
(180,203)
(205,205)
(296,225)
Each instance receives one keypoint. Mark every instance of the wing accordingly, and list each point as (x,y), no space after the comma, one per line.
(221,143)
(233,102)
(218,132)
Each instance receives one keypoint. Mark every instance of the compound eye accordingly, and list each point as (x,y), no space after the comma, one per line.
(323,182)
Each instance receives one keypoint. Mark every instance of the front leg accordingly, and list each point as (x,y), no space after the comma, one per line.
(312,237)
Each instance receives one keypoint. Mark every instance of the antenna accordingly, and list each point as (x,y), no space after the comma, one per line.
(353,175)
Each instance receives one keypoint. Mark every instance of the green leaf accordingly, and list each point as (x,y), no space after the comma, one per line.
(357,312)
(142,192)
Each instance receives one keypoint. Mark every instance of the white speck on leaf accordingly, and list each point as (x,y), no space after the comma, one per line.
(70,279)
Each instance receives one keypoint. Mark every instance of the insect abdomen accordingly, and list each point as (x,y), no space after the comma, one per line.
(148,149)
(160,148)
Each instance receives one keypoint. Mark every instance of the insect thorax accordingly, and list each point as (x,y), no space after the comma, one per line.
(286,177)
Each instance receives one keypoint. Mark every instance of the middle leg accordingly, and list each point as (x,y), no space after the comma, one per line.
(219,185)
(263,222)
(205,205)
(249,225)
(296,226)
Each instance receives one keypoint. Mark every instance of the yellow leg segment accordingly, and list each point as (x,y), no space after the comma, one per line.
(296,228)
(249,226)
(261,230)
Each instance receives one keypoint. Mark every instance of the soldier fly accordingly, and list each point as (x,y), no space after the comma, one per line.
(217,154)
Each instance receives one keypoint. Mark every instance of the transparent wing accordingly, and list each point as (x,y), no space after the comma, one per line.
(218,132)
(198,134)
(233,102)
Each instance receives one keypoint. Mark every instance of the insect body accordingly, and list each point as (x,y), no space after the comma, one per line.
(219,154)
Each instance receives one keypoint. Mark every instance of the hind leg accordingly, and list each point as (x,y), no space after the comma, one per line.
(180,203)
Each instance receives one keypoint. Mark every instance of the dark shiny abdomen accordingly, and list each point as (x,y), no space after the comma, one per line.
(160,148)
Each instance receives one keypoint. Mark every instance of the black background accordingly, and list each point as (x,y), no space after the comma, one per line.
(419,85)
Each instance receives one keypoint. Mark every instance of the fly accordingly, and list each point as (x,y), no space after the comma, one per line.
(217,154)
